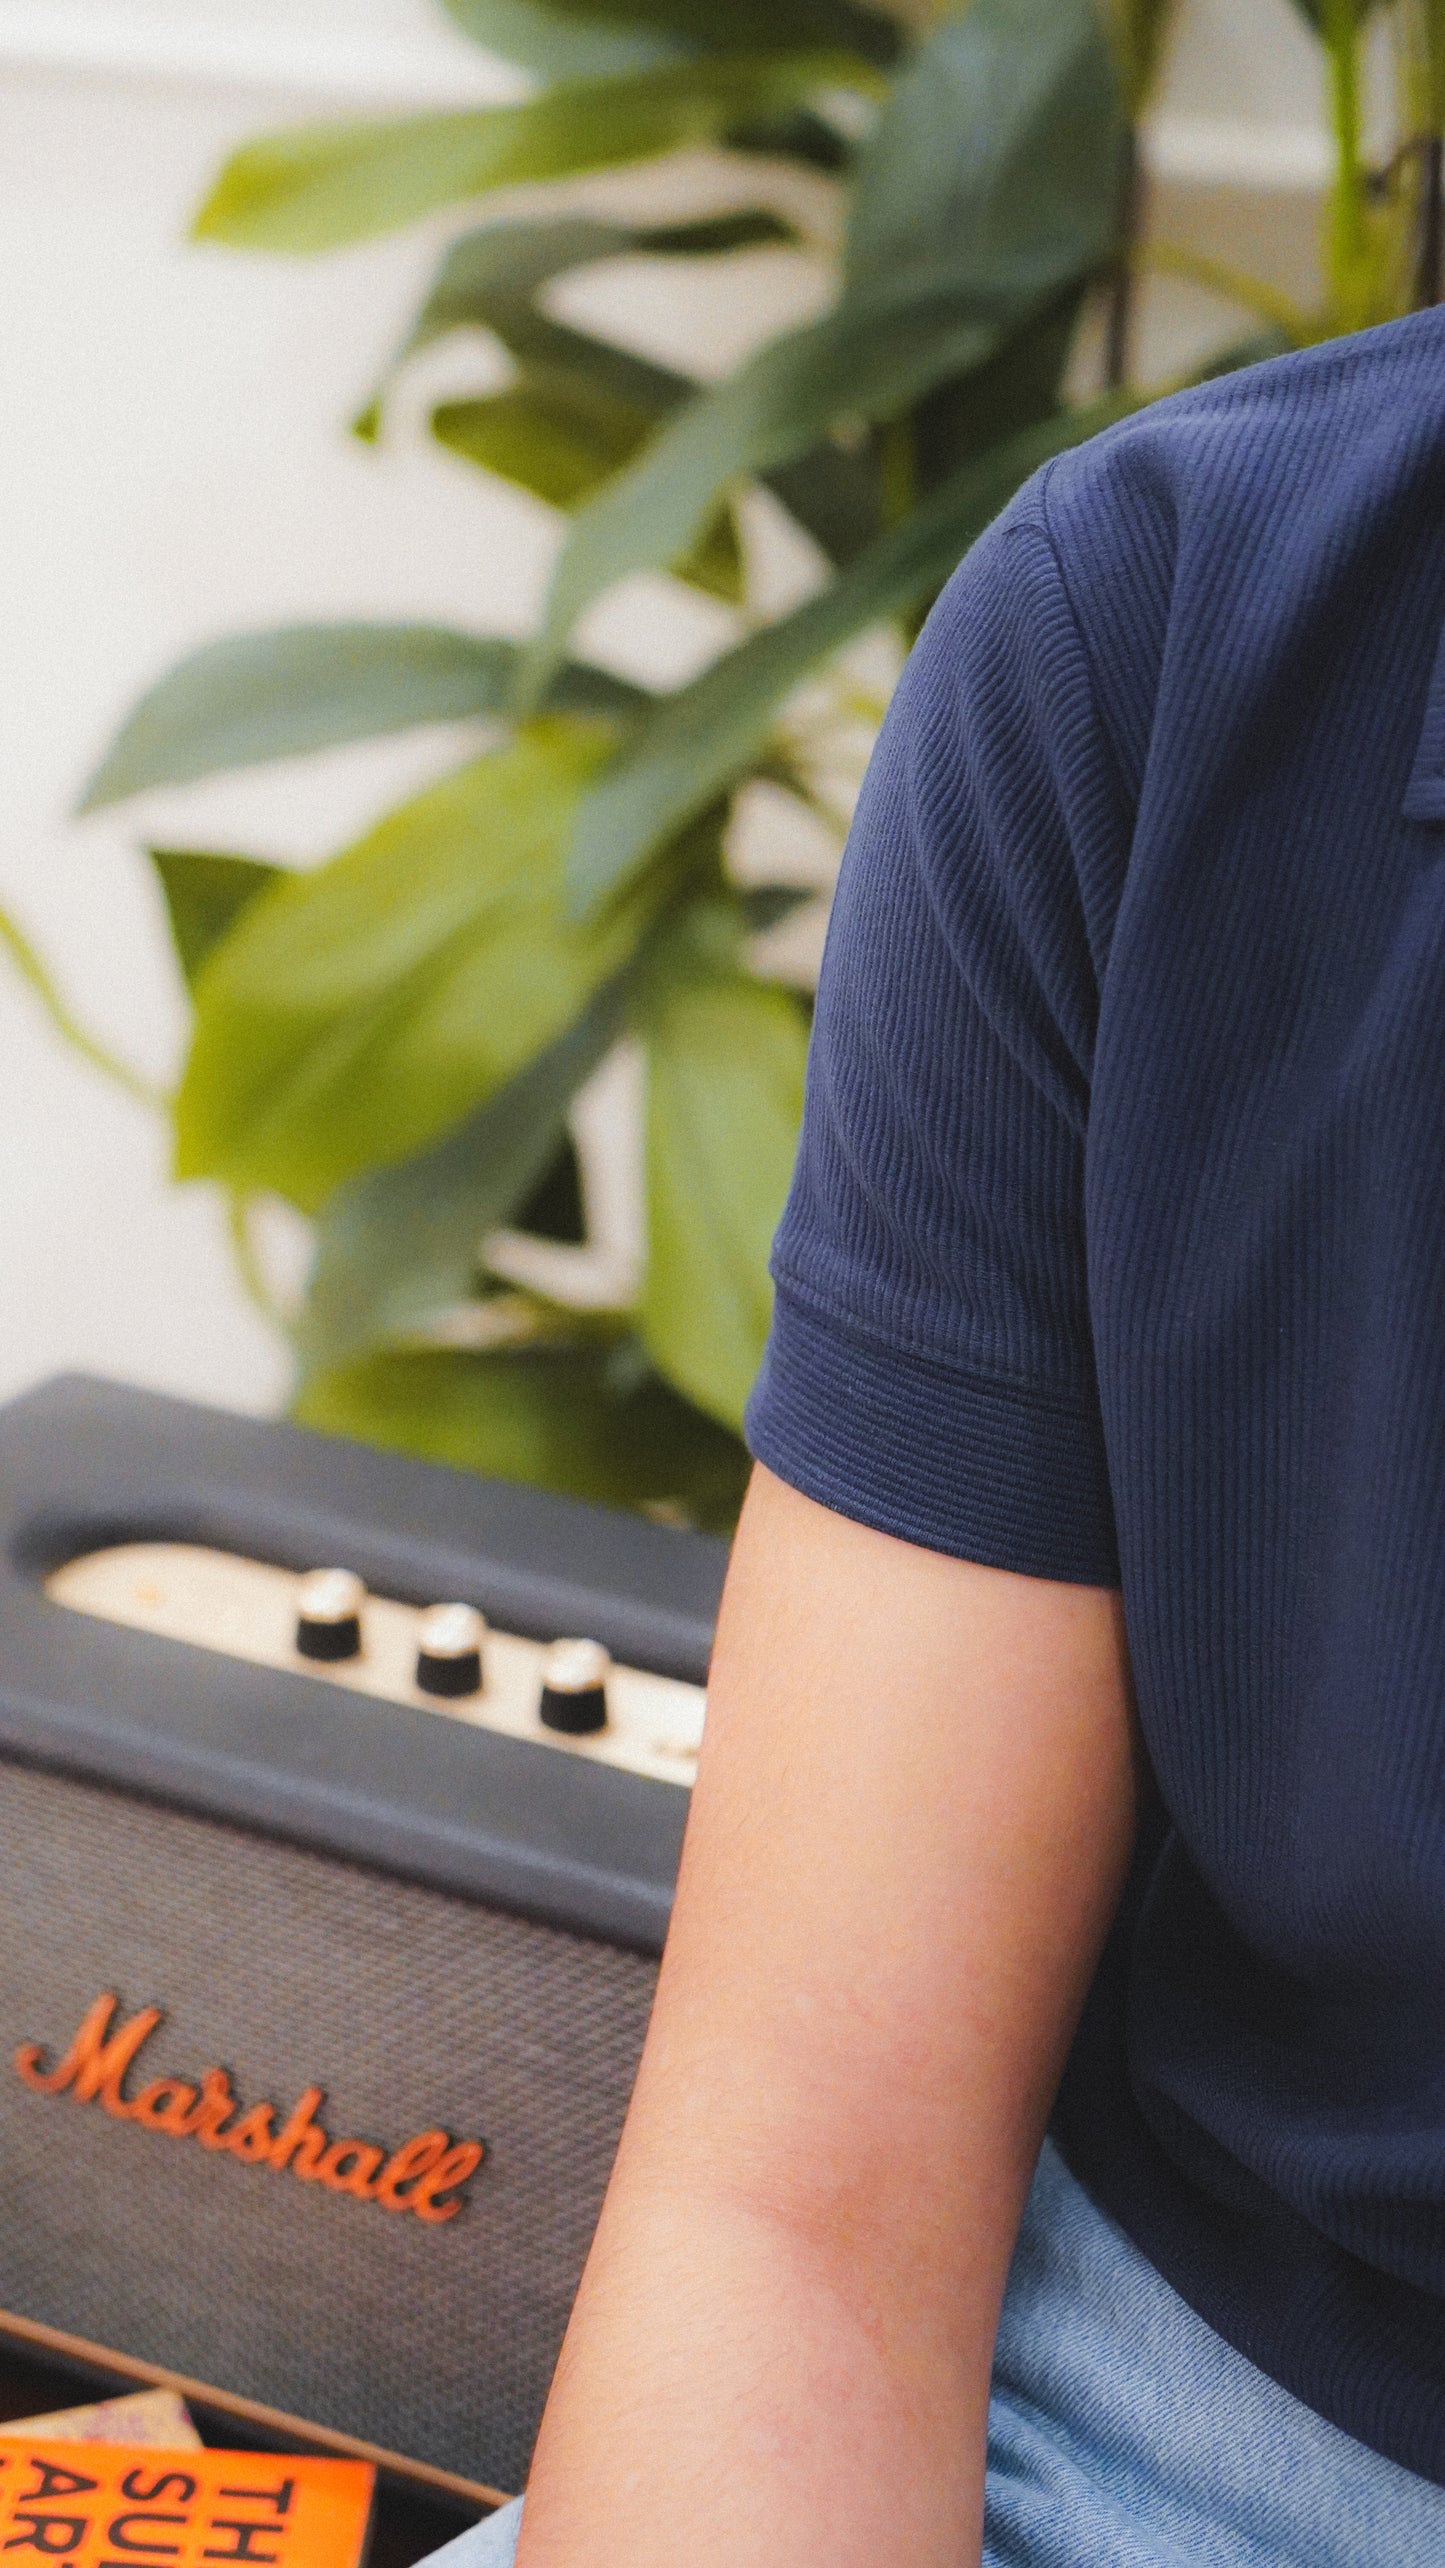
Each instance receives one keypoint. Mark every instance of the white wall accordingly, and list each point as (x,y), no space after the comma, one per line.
(175,466)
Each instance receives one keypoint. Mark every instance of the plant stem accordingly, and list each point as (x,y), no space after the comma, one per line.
(1426,114)
(1140,31)
(1432,224)
(1119,327)
(37,976)
(248,1264)
(897,469)
(1349,246)
(1232,285)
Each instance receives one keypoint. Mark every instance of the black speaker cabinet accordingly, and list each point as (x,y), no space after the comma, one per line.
(322,1988)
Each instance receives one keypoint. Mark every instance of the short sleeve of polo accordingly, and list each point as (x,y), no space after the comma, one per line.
(930,1369)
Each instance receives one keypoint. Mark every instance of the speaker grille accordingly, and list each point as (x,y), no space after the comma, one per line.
(410,2008)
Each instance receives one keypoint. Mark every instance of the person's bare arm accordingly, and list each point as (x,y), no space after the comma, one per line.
(909,1834)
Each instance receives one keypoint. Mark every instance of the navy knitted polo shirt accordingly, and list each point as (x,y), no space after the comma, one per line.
(1116,1252)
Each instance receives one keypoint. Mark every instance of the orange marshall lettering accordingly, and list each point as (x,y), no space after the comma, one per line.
(93,2065)
(438,2197)
(426,2176)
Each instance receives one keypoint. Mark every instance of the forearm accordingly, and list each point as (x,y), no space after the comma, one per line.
(910,1826)
(745,2405)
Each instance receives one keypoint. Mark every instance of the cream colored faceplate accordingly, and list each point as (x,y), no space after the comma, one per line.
(247,1610)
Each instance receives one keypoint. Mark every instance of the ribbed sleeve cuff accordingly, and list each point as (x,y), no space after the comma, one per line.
(985,1470)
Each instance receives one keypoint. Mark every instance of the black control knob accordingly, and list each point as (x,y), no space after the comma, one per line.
(449,1650)
(574,1688)
(328,1615)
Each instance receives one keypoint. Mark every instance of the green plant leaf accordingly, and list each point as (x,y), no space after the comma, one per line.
(1317,11)
(873,356)
(791,26)
(559,48)
(318,187)
(831,491)
(725,1060)
(989,188)
(501,267)
(697,740)
(805,135)
(575,1419)
(258,696)
(578,39)
(559,438)
(715,563)
(765,905)
(489,278)
(356,1012)
(995,161)
(712,236)
(556,439)
(205,895)
(582,407)
(396,1245)
(1017,389)
(834,491)
(694,743)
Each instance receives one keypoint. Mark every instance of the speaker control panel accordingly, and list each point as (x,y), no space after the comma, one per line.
(566,1694)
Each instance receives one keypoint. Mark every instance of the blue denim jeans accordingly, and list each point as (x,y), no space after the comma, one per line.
(1124,2433)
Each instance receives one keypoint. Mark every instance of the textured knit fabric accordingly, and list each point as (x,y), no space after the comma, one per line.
(1116,1250)
(1123,2433)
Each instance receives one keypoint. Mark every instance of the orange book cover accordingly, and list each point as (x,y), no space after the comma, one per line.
(112,2505)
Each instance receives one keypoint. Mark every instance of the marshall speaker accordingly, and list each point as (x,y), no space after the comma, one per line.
(340,1807)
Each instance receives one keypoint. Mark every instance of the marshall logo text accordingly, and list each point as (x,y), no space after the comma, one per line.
(425,2176)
